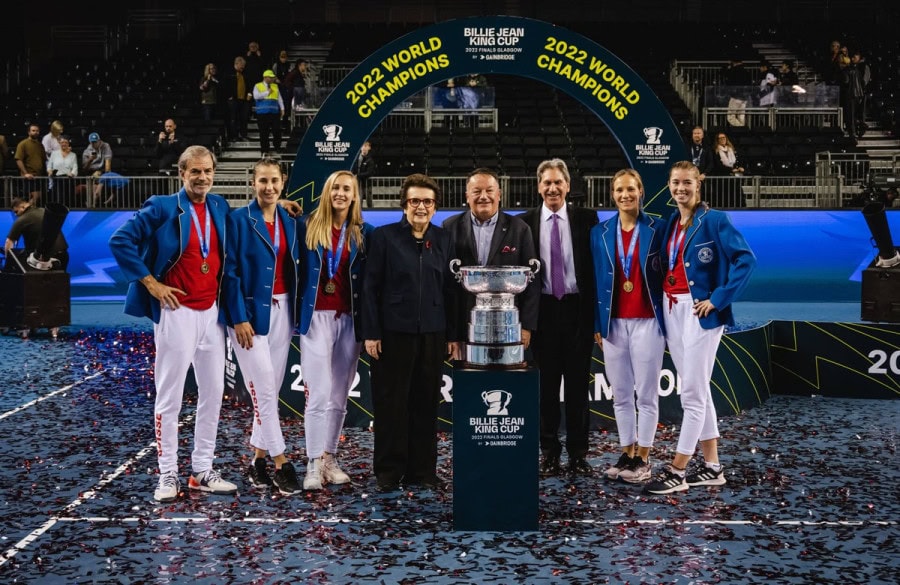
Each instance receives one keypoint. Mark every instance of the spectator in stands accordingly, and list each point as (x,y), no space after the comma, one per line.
(4,154)
(788,78)
(30,159)
(255,66)
(726,164)
(282,68)
(168,148)
(269,110)
(62,167)
(734,77)
(767,83)
(834,64)
(364,167)
(50,141)
(296,80)
(858,77)
(97,160)
(209,92)
(239,96)
(701,155)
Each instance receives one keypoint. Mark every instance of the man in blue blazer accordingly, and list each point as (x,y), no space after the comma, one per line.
(564,339)
(172,252)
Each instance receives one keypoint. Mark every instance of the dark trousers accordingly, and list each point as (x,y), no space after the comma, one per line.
(269,124)
(406,383)
(238,116)
(562,349)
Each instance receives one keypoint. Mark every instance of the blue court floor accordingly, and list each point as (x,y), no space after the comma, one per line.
(812,495)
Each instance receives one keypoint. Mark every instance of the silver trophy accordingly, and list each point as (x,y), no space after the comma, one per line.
(495,334)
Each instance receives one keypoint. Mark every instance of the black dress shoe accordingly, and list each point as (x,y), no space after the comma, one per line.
(578,466)
(386,484)
(550,466)
(432,482)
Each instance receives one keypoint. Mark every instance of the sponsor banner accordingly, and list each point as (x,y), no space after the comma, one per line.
(741,379)
(504,45)
(846,360)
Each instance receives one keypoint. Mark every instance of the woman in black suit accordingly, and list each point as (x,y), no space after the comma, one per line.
(407,322)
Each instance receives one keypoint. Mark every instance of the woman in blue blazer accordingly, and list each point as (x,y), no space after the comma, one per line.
(708,264)
(336,244)
(628,321)
(260,292)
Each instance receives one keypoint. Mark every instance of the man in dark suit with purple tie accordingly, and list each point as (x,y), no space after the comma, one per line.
(563,341)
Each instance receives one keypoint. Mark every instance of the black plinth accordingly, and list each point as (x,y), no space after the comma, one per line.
(495,449)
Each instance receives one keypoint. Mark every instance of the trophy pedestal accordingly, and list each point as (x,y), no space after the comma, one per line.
(496,432)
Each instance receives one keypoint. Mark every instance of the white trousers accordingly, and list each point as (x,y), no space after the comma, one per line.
(263,368)
(633,355)
(328,354)
(183,337)
(693,350)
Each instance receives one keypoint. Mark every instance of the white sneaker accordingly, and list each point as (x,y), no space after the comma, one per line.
(211,482)
(638,471)
(332,472)
(168,487)
(313,479)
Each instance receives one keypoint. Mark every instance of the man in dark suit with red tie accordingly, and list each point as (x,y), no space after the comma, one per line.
(563,342)
(486,236)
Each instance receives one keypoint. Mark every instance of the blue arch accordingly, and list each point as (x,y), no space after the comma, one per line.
(506,45)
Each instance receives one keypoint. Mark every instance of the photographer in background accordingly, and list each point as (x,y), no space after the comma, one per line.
(168,148)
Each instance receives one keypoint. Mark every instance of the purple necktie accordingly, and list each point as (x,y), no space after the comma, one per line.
(557,268)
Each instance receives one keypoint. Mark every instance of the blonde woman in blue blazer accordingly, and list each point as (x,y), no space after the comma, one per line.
(336,243)
(628,321)
(708,264)
(260,291)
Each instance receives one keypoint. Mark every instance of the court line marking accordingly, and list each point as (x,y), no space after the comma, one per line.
(85,496)
(341,520)
(50,395)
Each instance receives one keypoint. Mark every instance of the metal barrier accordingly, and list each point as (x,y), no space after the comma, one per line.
(115,192)
(855,167)
(825,190)
(412,117)
(774,118)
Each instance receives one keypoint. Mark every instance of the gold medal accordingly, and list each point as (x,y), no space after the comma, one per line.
(204,268)
(671,279)
(628,286)
(330,287)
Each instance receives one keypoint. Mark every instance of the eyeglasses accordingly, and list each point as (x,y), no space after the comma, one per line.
(415,202)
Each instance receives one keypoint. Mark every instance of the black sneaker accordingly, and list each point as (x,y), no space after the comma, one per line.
(285,479)
(666,482)
(704,475)
(258,474)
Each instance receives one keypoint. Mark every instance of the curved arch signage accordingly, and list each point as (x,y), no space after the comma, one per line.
(505,45)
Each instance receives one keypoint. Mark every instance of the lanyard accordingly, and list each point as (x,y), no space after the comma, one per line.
(624,258)
(333,261)
(204,236)
(674,244)
(276,239)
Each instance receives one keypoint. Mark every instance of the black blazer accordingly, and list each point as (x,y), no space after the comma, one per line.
(707,161)
(511,245)
(581,221)
(405,291)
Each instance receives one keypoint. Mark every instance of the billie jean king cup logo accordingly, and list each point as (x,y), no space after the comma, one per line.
(332,132)
(496,401)
(653,134)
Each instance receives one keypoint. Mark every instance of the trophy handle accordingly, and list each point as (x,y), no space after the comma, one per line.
(454,269)
(535,268)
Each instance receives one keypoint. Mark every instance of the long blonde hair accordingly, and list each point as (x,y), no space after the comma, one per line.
(318,226)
